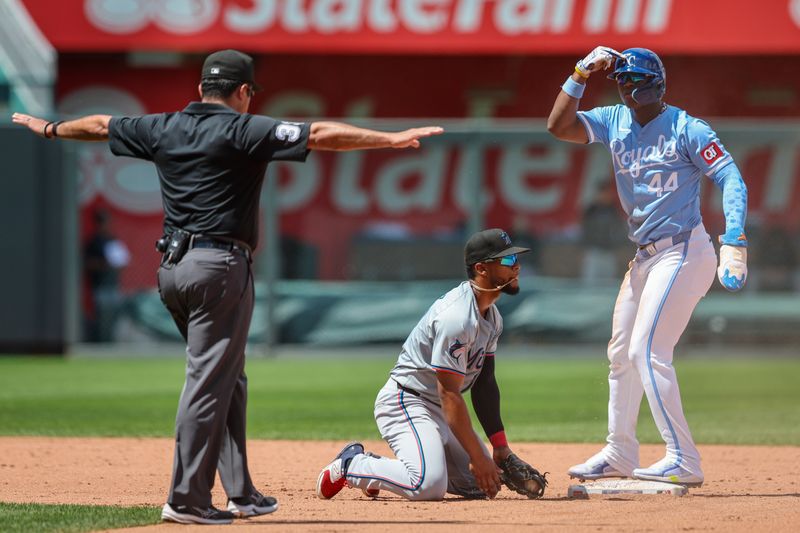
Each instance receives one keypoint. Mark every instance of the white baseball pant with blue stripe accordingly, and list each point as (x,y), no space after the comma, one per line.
(656,300)
(430,460)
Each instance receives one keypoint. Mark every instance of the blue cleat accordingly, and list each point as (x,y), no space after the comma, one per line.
(595,468)
(667,471)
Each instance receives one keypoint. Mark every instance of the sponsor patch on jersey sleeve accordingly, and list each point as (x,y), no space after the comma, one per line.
(711,153)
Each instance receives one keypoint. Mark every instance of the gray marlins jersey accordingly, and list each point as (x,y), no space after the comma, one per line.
(451,337)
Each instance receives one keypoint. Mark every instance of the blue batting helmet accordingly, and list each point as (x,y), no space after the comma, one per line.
(643,61)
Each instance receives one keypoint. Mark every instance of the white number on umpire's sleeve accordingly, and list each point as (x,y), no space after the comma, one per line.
(287,132)
(655,184)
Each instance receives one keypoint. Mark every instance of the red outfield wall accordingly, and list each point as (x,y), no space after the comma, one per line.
(428,58)
(531,182)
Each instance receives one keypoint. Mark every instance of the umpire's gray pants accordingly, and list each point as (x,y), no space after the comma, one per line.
(210,296)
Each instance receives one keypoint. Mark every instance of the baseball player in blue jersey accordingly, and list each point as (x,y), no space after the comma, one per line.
(420,410)
(660,155)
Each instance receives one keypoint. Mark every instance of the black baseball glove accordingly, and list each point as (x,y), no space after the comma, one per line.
(521,477)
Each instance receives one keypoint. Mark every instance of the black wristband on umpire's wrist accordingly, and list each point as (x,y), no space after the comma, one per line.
(44,130)
(54,130)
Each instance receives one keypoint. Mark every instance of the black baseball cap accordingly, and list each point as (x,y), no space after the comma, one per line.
(490,244)
(230,65)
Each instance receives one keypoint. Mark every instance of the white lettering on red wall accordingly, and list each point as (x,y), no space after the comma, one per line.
(421,26)
(508,17)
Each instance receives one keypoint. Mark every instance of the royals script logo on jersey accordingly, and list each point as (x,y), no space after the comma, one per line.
(636,159)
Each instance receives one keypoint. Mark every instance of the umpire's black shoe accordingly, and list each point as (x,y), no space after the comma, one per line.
(254,505)
(186,514)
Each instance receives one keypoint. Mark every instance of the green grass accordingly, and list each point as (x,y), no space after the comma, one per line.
(726,401)
(26,517)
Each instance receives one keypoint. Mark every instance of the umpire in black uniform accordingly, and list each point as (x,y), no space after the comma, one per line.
(211,160)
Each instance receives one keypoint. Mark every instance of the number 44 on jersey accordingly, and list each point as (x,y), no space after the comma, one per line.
(656,187)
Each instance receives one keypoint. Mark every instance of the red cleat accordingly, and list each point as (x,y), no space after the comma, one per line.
(333,477)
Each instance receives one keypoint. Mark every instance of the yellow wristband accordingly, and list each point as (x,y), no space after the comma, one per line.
(581,74)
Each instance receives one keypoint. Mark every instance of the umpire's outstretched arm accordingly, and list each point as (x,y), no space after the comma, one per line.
(329,136)
(89,128)
(341,137)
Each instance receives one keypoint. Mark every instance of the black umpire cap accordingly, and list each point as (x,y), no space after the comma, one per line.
(490,244)
(230,65)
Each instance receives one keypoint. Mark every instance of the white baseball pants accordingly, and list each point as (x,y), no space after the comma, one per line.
(430,460)
(656,300)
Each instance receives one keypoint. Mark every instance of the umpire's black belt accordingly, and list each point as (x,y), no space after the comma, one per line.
(220,243)
(649,250)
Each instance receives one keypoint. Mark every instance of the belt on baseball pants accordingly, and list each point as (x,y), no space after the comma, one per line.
(230,245)
(406,389)
(649,250)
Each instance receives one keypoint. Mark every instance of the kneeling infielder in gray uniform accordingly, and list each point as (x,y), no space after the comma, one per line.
(211,159)
(421,412)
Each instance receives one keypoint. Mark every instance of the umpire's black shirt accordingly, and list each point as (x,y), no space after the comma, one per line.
(211,162)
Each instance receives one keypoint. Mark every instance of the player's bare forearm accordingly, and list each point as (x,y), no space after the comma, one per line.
(88,128)
(336,136)
(457,416)
(563,122)
(455,411)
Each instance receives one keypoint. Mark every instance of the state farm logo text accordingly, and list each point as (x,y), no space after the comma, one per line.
(507,17)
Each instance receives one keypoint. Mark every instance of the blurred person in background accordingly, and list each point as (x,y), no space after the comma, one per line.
(104,257)
(211,160)
(602,232)
(777,259)
(660,155)
(524,235)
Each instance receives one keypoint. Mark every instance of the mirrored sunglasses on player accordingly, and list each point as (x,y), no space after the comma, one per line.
(633,77)
(507,260)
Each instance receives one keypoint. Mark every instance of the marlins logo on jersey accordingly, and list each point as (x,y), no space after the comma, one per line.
(456,350)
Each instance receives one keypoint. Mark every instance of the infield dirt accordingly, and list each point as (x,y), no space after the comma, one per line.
(748,488)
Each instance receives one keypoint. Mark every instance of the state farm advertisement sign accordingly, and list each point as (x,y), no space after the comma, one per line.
(421,26)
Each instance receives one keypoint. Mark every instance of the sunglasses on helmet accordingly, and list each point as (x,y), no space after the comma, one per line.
(506,260)
(633,77)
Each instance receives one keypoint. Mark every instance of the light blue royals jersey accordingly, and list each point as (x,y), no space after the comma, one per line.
(658,166)
(452,337)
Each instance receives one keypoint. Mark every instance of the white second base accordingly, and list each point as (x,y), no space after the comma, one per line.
(624,486)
